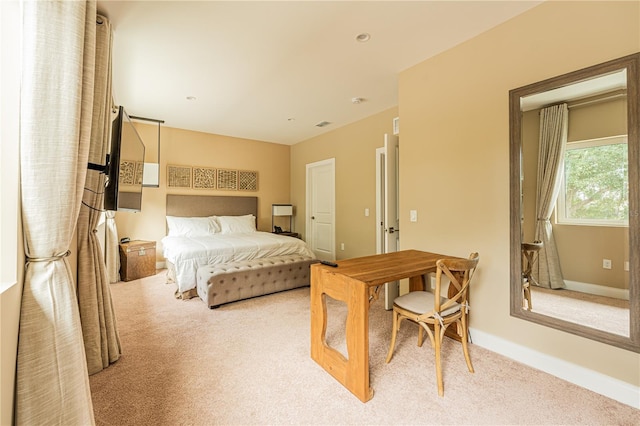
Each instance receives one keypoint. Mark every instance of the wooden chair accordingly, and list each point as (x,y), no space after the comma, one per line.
(434,312)
(529,254)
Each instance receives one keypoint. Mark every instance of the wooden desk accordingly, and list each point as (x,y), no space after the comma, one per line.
(354,282)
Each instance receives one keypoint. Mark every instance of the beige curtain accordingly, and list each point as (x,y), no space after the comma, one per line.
(112,254)
(553,139)
(56,109)
(101,340)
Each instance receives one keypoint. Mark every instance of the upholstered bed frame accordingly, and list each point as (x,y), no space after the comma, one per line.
(225,283)
(220,205)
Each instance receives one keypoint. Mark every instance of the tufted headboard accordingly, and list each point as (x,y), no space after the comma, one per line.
(209,205)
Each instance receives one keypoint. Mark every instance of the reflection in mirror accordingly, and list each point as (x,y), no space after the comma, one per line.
(574,202)
(151,167)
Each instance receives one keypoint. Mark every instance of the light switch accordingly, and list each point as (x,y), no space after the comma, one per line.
(413,215)
(366,212)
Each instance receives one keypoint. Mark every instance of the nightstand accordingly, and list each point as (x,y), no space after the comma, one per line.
(137,259)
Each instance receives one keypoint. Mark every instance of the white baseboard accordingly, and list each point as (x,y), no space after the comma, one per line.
(600,290)
(583,377)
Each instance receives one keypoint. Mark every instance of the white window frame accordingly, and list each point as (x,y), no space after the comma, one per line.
(560,205)
(10,71)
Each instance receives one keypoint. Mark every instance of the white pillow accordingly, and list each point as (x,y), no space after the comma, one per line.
(237,224)
(215,225)
(191,226)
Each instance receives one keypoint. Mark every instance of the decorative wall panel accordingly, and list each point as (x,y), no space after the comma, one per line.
(197,177)
(247,180)
(204,178)
(139,170)
(179,176)
(228,179)
(127,172)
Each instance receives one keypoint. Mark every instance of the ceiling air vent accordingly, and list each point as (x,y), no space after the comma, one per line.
(322,124)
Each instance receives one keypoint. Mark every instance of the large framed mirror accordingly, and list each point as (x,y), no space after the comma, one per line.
(575,202)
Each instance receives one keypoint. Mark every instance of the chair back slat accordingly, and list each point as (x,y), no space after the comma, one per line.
(459,272)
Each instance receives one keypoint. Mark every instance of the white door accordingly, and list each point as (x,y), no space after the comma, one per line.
(387,232)
(320,221)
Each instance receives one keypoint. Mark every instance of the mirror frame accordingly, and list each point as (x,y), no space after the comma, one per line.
(632,65)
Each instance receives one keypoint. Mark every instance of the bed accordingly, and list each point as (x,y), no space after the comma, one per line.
(203,231)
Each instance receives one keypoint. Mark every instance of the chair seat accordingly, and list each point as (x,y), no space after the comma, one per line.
(421,302)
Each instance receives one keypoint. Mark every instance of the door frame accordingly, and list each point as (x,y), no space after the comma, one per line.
(391,290)
(380,199)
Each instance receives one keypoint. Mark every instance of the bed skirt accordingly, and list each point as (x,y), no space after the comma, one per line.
(171,279)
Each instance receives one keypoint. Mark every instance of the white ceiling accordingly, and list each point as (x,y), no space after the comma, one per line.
(271,71)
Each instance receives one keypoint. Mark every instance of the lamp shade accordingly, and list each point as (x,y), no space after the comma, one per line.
(282,210)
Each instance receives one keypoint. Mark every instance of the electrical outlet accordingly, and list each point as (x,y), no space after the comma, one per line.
(626,265)
(606,263)
(341,246)
(413,215)
(366,212)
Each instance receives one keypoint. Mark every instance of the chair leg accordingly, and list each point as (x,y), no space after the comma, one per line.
(394,332)
(465,344)
(420,336)
(438,344)
(526,290)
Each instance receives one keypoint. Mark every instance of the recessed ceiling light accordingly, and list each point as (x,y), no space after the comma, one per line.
(363,37)
(191,98)
(357,100)
(291,119)
(322,124)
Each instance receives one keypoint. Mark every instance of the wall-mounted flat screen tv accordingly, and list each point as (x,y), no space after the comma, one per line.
(123,190)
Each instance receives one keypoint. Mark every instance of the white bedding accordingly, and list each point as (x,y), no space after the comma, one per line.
(187,254)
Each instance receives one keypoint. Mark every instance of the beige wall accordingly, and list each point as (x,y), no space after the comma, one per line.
(354,149)
(455,119)
(184,147)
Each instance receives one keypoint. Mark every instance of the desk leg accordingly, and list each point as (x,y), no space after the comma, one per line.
(353,372)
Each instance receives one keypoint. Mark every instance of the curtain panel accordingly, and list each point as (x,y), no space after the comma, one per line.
(99,328)
(52,384)
(112,248)
(553,140)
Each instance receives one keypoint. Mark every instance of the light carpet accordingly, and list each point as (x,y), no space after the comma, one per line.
(248,363)
(600,312)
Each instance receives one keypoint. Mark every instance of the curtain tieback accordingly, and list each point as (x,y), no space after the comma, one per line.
(48,259)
